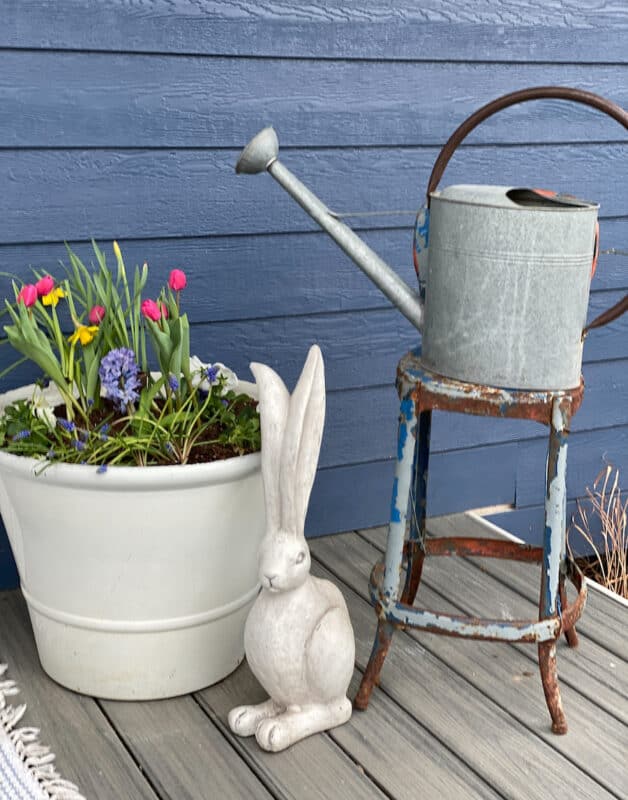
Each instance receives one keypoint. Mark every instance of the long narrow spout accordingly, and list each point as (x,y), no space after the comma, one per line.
(261,154)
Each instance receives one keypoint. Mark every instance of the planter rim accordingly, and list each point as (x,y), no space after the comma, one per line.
(129,478)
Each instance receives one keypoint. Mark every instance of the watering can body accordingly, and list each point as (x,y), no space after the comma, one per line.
(507,286)
(507,271)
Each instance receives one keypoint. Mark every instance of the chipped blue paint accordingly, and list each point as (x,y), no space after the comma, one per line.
(400,496)
(422,230)
(555,512)
(395,515)
(398,614)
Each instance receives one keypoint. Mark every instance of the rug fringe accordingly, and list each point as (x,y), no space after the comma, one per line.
(36,757)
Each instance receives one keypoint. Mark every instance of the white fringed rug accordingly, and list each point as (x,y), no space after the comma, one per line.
(27,770)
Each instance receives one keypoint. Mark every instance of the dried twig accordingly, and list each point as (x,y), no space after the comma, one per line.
(608,564)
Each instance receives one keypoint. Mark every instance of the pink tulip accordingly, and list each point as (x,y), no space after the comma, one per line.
(27,295)
(96,315)
(45,285)
(151,310)
(177,280)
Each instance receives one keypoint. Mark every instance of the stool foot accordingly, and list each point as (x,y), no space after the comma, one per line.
(570,633)
(381,645)
(549,677)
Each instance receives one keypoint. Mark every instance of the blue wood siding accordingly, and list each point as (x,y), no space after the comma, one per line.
(124,120)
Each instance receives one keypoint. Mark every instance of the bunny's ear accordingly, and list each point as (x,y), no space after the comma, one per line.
(274,402)
(302,442)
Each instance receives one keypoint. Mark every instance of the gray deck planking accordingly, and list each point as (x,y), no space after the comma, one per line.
(468,583)
(88,750)
(511,758)
(452,719)
(604,620)
(496,670)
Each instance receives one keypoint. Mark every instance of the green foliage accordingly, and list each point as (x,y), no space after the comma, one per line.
(103,406)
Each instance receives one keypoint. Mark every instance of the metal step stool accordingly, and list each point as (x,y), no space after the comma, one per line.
(421,392)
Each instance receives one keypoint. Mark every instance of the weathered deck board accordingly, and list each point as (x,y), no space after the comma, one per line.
(495,670)
(88,751)
(452,719)
(603,620)
(315,768)
(500,748)
(180,751)
(590,669)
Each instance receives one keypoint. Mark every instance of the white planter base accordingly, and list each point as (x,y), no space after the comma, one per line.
(139,664)
(139,580)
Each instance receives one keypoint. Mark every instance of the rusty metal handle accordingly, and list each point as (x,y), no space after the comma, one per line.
(522,96)
(609,315)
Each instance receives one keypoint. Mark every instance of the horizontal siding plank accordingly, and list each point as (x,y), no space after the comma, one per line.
(588,453)
(361,424)
(53,195)
(435,30)
(344,496)
(297,273)
(57,99)
(361,350)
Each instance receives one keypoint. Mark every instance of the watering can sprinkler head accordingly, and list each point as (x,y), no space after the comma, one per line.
(261,154)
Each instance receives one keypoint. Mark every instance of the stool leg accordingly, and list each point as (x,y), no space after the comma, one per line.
(370,679)
(571,634)
(394,548)
(418,506)
(554,556)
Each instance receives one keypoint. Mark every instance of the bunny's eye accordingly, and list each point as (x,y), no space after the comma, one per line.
(301,557)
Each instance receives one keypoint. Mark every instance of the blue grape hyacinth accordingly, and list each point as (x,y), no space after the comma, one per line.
(119,376)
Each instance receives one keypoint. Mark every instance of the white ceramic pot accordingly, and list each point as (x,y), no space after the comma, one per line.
(139,580)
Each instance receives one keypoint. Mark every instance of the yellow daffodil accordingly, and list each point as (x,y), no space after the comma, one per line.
(84,334)
(116,251)
(53,297)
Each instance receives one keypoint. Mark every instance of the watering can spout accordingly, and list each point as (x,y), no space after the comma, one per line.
(261,154)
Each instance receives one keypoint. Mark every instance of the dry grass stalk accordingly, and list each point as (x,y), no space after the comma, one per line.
(609,563)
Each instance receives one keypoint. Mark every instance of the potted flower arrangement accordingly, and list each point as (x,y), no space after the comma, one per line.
(132,498)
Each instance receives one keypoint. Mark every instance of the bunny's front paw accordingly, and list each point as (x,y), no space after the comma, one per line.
(244,720)
(274,734)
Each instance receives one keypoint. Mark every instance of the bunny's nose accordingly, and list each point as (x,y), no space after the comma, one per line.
(270,579)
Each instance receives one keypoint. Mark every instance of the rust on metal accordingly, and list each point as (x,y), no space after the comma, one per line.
(571,613)
(437,392)
(549,678)
(415,555)
(488,548)
(370,679)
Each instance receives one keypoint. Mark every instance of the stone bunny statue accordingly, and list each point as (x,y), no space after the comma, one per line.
(298,637)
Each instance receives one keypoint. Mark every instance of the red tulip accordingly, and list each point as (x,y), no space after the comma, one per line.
(177,280)
(151,310)
(27,295)
(45,285)
(96,315)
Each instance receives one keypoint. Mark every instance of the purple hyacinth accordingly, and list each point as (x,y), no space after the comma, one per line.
(173,383)
(66,424)
(119,376)
(212,374)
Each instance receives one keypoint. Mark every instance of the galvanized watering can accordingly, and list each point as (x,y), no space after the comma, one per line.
(507,272)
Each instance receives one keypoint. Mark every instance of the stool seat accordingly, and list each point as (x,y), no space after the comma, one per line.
(421,391)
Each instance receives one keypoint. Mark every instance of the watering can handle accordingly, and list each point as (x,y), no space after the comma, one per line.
(522,96)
